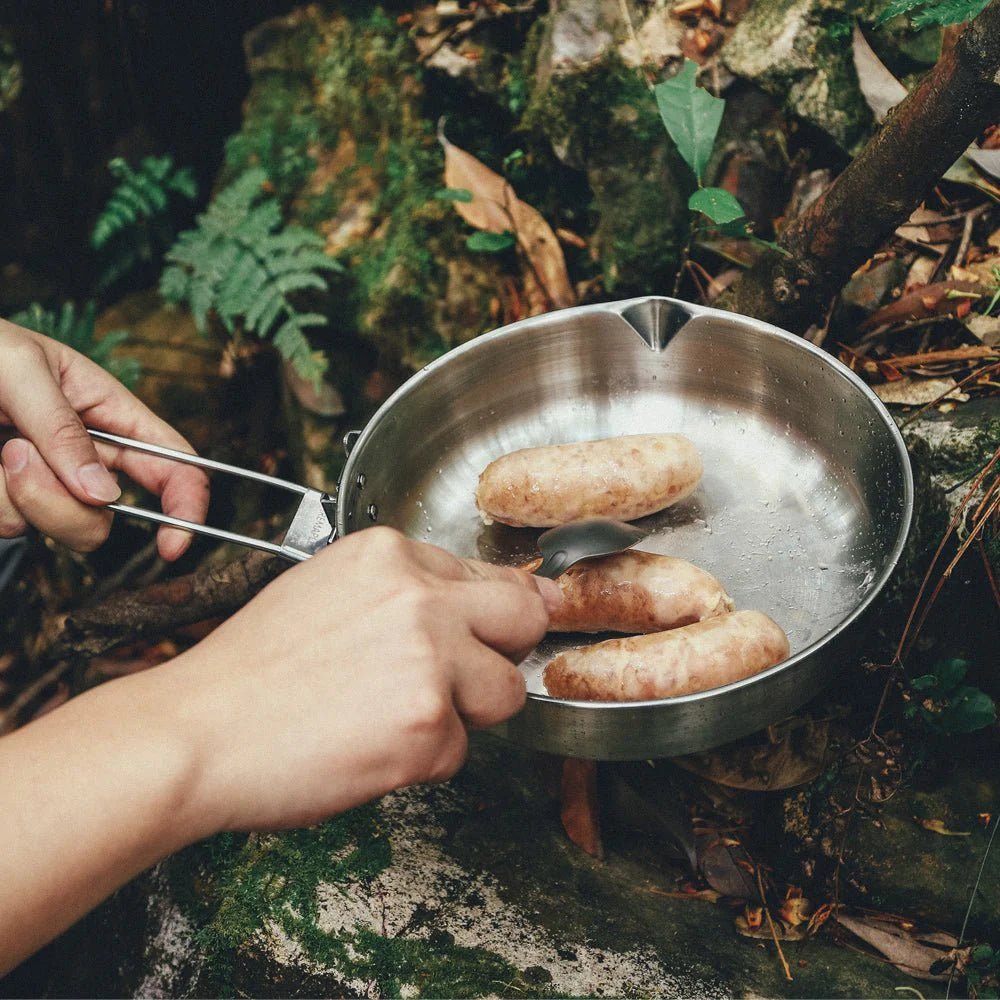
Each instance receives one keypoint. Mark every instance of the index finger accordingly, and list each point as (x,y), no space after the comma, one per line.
(449,567)
(105,404)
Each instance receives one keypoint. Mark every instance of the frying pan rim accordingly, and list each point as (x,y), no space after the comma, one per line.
(695,311)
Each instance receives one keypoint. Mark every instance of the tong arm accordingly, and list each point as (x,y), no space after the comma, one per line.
(312,527)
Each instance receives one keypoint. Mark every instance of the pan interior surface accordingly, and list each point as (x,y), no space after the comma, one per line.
(804,499)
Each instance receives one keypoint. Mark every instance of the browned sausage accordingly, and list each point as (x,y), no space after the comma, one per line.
(624,477)
(694,658)
(635,592)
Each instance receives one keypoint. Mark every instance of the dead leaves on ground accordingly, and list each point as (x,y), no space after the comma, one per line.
(911,950)
(796,752)
(496,208)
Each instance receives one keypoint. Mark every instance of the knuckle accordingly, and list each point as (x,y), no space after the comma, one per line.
(23,353)
(383,540)
(66,433)
(428,714)
(449,759)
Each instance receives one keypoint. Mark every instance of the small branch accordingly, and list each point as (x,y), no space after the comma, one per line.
(153,611)
(918,141)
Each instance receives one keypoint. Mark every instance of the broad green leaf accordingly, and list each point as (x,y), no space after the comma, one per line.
(950,672)
(717,203)
(924,683)
(453,194)
(490,242)
(969,709)
(692,116)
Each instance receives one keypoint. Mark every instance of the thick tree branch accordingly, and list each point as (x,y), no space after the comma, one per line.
(159,609)
(919,140)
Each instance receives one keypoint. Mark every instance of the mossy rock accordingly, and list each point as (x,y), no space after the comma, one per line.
(800,52)
(603,121)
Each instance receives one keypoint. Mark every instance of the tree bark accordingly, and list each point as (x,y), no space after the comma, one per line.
(159,609)
(919,140)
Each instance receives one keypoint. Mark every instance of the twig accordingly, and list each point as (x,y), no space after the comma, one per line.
(969,353)
(970,219)
(118,579)
(8,719)
(978,373)
(972,898)
(988,566)
(770,924)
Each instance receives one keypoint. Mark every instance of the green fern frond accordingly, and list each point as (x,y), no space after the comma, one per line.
(140,195)
(76,330)
(241,265)
(929,12)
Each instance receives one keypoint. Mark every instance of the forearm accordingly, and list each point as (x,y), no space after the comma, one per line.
(90,796)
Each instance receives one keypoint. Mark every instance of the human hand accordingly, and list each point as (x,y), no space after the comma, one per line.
(352,674)
(55,478)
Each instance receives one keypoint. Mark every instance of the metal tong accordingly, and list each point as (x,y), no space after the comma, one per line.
(312,527)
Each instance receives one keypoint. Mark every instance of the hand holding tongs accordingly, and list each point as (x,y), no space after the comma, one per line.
(313,525)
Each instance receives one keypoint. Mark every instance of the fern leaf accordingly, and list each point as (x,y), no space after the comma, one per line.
(239,289)
(297,281)
(292,345)
(201,298)
(266,310)
(175,283)
(945,12)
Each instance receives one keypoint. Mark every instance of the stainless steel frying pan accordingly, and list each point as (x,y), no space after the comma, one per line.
(802,513)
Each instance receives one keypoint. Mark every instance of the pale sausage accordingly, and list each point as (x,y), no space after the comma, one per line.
(635,591)
(623,477)
(694,658)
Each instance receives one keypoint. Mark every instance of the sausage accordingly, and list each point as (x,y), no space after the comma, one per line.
(635,591)
(623,477)
(694,658)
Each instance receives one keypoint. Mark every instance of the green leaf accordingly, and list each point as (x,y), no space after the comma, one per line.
(968,709)
(925,682)
(490,242)
(454,194)
(981,953)
(692,116)
(717,203)
(950,672)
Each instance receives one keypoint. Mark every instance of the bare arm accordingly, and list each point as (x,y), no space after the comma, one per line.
(250,730)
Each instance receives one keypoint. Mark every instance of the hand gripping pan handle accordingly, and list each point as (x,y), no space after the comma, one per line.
(313,526)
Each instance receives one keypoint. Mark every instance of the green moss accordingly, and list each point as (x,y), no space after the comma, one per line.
(604,121)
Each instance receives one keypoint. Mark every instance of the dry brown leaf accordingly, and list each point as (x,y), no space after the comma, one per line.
(795,753)
(580,813)
(912,953)
(495,208)
(918,392)
(937,826)
(881,90)
(705,895)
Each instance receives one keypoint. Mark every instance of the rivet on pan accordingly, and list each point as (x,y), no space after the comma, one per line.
(361,480)
(373,512)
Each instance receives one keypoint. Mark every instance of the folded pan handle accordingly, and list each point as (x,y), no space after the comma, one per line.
(313,526)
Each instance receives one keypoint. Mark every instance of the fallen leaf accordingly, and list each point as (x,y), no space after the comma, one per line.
(795,752)
(495,208)
(704,895)
(795,909)
(881,90)
(656,42)
(912,953)
(724,867)
(987,160)
(580,812)
(918,392)
(937,826)
(922,303)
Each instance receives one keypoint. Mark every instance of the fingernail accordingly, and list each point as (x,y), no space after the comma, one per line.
(99,483)
(16,453)
(551,594)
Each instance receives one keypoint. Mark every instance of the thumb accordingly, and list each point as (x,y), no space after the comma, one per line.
(35,404)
